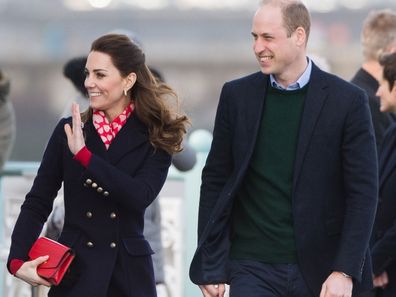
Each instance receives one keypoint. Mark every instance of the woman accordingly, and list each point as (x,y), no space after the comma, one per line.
(113,161)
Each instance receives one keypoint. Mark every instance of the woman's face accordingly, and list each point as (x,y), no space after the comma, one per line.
(105,85)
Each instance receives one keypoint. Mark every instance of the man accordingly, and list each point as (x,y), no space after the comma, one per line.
(383,242)
(378,36)
(289,188)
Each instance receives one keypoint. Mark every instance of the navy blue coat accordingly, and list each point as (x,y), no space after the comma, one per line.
(104,208)
(334,192)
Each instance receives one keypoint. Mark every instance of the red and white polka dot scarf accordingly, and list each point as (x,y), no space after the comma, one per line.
(106,130)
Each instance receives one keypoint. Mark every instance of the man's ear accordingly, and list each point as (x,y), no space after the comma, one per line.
(301,36)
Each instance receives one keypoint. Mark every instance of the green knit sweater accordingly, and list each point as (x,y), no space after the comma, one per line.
(262,220)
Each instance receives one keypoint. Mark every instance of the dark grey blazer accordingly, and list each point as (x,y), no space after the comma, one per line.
(334,185)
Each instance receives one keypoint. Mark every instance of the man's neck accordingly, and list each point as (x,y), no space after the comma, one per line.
(373,68)
(293,74)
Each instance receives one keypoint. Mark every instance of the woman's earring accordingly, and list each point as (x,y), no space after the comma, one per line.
(125,93)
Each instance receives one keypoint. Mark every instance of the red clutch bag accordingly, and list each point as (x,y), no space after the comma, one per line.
(60,258)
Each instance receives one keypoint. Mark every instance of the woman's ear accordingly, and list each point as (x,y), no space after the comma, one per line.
(130,80)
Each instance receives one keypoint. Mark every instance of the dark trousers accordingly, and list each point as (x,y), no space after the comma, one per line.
(253,278)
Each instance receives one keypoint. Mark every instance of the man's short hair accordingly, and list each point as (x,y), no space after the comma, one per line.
(388,61)
(379,33)
(295,14)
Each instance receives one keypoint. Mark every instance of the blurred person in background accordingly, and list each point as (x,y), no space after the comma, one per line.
(113,160)
(378,36)
(383,241)
(289,188)
(73,70)
(7,120)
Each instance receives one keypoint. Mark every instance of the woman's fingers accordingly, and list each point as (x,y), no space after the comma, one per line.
(28,272)
(75,137)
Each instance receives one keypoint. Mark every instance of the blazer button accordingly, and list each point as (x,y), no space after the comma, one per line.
(113,245)
(105,193)
(113,215)
(99,190)
(85,185)
(90,244)
(94,185)
(89,214)
(88,181)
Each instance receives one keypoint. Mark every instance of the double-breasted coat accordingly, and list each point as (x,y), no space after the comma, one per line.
(334,187)
(104,208)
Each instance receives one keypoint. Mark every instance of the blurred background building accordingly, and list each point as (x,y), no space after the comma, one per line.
(197,44)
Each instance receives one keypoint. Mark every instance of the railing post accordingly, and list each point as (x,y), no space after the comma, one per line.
(200,140)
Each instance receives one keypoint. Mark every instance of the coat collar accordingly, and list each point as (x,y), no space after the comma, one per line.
(132,134)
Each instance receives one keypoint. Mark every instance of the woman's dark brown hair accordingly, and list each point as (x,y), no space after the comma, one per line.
(151,97)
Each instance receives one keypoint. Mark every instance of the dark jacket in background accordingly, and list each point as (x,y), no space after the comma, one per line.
(384,232)
(381,120)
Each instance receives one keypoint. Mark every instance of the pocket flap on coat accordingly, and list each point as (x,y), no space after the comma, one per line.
(137,246)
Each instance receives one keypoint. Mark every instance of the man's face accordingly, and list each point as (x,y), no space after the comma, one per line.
(274,50)
(387,97)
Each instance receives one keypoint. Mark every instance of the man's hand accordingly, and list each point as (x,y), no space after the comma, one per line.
(381,280)
(28,272)
(213,290)
(337,285)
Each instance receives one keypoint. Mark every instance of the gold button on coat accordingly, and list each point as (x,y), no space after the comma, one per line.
(88,181)
(113,245)
(89,214)
(113,215)
(99,190)
(90,244)
(105,193)
(94,185)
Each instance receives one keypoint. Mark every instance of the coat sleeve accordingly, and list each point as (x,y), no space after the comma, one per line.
(39,201)
(136,191)
(219,163)
(360,179)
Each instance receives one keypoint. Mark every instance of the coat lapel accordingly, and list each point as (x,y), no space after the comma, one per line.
(131,135)
(254,109)
(315,98)
(93,141)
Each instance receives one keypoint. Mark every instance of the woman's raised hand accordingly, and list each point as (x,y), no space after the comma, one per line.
(75,137)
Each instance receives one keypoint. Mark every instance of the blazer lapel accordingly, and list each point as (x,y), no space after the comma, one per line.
(315,98)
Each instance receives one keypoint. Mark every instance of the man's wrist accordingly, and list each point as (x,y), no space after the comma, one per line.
(344,274)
